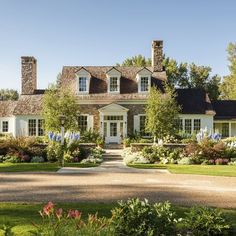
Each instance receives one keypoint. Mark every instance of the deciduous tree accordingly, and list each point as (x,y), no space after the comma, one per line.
(161,112)
(8,94)
(56,102)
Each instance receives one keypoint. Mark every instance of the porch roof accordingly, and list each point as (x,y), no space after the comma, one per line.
(225,109)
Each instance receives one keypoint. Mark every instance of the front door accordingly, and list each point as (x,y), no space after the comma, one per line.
(113,131)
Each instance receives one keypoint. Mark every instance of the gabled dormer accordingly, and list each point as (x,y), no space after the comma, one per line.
(82,81)
(113,80)
(144,80)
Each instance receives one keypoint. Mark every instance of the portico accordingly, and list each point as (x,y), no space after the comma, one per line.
(113,123)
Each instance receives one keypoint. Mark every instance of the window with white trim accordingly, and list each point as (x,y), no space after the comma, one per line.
(225,130)
(40,127)
(83,123)
(142,126)
(83,84)
(5,126)
(188,126)
(32,130)
(178,124)
(144,84)
(114,85)
(196,125)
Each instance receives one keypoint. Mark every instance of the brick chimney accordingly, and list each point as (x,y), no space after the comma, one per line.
(157,55)
(28,75)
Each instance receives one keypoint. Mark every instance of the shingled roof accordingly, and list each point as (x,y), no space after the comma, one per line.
(194,101)
(98,82)
(225,109)
(7,108)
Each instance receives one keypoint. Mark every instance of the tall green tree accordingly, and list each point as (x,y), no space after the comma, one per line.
(161,112)
(228,86)
(184,75)
(56,102)
(9,94)
(138,60)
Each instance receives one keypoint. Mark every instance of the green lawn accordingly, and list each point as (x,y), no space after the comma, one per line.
(38,167)
(216,170)
(22,216)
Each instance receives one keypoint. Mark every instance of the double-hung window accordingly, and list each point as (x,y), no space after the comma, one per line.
(32,128)
(196,125)
(188,126)
(35,127)
(5,126)
(83,84)
(114,86)
(144,84)
(83,123)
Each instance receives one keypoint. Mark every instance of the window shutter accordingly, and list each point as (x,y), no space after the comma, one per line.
(136,123)
(90,122)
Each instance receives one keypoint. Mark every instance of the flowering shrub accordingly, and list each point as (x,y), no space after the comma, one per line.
(37,159)
(205,221)
(56,221)
(130,157)
(136,217)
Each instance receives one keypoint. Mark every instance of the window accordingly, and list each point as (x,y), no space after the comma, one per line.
(142,122)
(188,126)
(83,123)
(196,125)
(144,84)
(225,129)
(114,84)
(5,126)
(113,117)
(82,84)
(178,124)
(40,127)
(32,127)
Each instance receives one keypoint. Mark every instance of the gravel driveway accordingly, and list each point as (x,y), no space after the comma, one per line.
(116,184)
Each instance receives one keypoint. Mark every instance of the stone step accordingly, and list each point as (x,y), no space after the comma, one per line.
(113,146)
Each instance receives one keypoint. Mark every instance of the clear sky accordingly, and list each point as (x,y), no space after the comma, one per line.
(104,32)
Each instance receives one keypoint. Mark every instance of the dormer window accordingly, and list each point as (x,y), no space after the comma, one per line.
(144,80)
(114,84)
(113,80)
(144,84)
(83,81)
(83,84)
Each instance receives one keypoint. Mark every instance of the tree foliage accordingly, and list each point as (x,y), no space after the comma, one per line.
(161,112)
(184,75)
(228,86)
(9,94)
(58,102)
(138,60)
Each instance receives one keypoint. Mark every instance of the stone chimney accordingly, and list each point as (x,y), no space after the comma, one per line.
(157,55)
(28,75)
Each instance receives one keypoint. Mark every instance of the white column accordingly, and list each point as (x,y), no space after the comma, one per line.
(230,129)
(125,125)
(101,124)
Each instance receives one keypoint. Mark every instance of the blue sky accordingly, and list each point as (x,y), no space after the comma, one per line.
(104,32)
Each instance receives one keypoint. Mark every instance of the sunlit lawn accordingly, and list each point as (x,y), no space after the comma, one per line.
(38,167)
(23,216)
(216,170)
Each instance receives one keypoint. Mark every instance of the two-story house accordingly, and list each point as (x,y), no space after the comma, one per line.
(112,101)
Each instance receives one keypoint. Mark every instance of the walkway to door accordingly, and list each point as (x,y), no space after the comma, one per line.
(112,163)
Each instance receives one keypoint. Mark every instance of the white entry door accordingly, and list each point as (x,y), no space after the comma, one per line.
(113,131)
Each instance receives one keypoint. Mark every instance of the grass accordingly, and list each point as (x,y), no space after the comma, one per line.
(38,167)
(22,215)
(214,170)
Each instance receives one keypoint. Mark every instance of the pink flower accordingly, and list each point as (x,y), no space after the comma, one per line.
(48,209)
(59,213)
(74,214)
